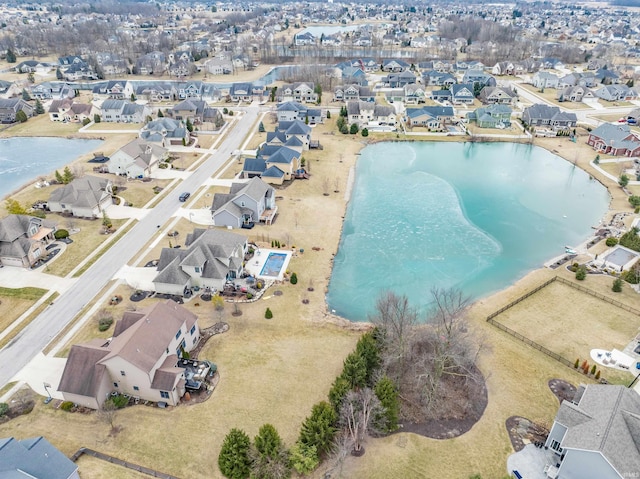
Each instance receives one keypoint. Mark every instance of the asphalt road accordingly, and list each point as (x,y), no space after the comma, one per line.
(31,340)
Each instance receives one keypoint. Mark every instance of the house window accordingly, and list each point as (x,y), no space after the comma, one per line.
(164,394)
(178,333)
(555,445)
(193,329)
(122,373)
(115,385)
(197,269)
(136,388)
(183,344)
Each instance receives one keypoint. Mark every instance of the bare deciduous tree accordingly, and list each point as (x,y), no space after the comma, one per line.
(107,413)
(358,408)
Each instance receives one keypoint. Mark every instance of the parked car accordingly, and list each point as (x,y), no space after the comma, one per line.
(184,196)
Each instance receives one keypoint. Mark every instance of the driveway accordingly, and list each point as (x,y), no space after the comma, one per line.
(43,370)
(137,278)
(14,277)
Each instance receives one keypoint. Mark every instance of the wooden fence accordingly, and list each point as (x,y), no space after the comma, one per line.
(532,343)
(120,462)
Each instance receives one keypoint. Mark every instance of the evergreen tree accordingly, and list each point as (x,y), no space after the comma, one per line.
(233,459)
(270,459)
(97,118)
(318,430)
(67,176)
(59,74)
(328,115)
(11,56)
(294,276)
(368,349)
(59,177)
(304,458)
(25,95)
(14,207)
(39,110)
(617,285)
(353,129)
(268,441)
(364,132)
(268,314)
(387,393)
(261,127)
(21,116)
(160,114)
(189,125)
(354,371)
(338,391)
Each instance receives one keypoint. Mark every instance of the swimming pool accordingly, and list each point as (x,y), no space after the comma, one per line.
(273,265)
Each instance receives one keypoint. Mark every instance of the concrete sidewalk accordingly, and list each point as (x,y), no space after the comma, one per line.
(15,277)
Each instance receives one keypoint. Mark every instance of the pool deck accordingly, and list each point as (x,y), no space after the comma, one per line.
(254,265)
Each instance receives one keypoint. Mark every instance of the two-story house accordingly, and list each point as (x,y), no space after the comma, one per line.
(24,239)
(137,159)
(245,204)
(85,197)
(141,359)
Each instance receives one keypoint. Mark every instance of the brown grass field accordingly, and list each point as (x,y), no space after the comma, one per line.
(570,322)
(14,302)
(274,371)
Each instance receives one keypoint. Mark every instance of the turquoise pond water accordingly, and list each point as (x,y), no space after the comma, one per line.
(23,160)
(476,216)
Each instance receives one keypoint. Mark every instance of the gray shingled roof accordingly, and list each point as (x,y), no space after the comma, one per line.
(607,419)
(35,458)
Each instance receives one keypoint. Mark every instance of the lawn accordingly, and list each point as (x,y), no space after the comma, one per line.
(92,468)
(111,126)
(513,130)
(85,242)
(41,125)
(15,301)
(570,322)
(137,192)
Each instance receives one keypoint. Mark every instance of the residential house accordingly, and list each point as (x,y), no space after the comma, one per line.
(474,76)
(181,69)
(154,62)
(615,139)
(70,60)
(218,66)
(634,114)
(393,65)
(437,78)
(69,111)
(165,132)
(369,65)
(504,68)
(9,108)
(241,92)
(351,75)
(607,77)
(124,111)
(245,204)
(353,92)
(619,92)
(111,63)
(441,66)
(9,89)
(575,94)
(292,110)
(502,95)
(399,80)
(153,91)
(544,80)
(137,159)
(141,359)
(196,111)
(462,93)
(367,114)
(414,94)
(295,129)
(52,91)
(492,116)
(24,239)
(77,71)
(34,458)
(85,197)
(33,66)
(302,92)
(441,96)
(304,38)
(209,258)
(434,118)
(548,116)
(462,66)
(113,90)
(190,89)
(596,435)
(180,56)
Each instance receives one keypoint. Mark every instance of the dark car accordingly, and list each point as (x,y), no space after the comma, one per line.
(184,196)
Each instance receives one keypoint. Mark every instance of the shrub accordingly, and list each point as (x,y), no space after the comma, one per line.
(304,458)
(249,296)
(86,121)
(611,242)
(4,408)
(617,285)
(233,459)
(577,363)
(593,369)
(574,267)
(294,278)
(67,406)
(581,273)
(364,132)
(118,401)
(268,314)
(61,234)
(584,365)
(598,374)
(104,324)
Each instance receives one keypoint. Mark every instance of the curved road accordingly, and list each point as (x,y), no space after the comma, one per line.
(31,340)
